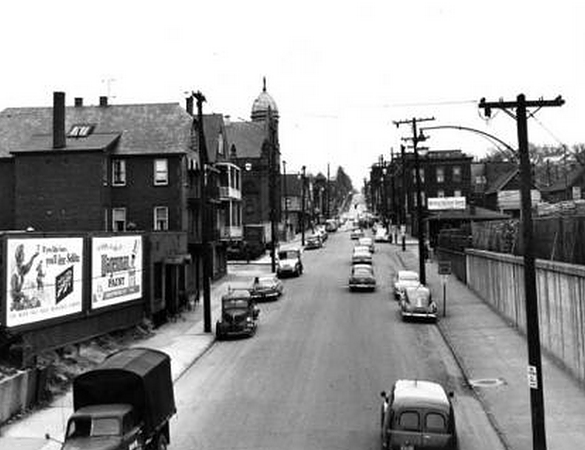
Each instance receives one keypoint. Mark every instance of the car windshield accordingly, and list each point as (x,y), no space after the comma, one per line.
(288,254)
(408,277)
(105,426)
(235,303)
(267,281)
(362,272)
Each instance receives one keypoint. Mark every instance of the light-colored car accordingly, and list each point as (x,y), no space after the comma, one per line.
(368,242)
(314,241)
(381,235)
(362,278)
(361,256)
(266,287)
(417,303)
(289,262)
(356,233)
(404,279)
(418,414)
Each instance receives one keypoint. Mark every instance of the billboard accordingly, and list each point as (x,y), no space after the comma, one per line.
(116,270)
(43,279)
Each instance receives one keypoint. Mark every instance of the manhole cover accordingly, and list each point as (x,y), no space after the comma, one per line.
(486,382)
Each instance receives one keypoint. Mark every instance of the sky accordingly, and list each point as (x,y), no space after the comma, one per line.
(341,72)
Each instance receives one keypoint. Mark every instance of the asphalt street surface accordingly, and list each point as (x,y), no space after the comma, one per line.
(311,377)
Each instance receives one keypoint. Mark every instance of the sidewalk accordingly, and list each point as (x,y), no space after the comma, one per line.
(184,340)
(494,358)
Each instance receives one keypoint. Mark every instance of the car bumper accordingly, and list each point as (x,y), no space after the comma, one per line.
(266,295)
(419,315)
(362,286)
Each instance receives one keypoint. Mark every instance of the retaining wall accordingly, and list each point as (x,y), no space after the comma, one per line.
(499,279)
(21,391)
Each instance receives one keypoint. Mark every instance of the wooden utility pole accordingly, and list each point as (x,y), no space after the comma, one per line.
(272,189)
(303,176)
(419,206)
(285,200)
(205,216)
(532,326)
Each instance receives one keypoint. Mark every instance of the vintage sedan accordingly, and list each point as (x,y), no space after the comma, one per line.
(239,315)
(361,256)
(266,287)
(402,280)
(314,241)
(362,278)
(356,234)
(289,262)
(418,414)
(417,303)
(367,242)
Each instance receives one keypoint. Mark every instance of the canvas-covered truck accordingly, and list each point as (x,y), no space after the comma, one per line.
(123,404)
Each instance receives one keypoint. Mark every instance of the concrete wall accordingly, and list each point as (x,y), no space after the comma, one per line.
(499,280)
(21,391)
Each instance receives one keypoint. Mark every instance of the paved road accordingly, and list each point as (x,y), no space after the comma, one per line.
(311,377)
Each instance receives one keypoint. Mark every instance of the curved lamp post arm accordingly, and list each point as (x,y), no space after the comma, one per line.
(511,150)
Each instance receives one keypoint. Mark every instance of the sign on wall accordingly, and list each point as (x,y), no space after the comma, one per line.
(116,272)
(43,279)
(440,203)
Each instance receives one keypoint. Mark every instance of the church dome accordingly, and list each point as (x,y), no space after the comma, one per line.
(261,105)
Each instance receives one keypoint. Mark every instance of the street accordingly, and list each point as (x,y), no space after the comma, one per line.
(311,377)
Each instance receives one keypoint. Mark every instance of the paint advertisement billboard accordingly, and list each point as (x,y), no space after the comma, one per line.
(43,279)
(116,271)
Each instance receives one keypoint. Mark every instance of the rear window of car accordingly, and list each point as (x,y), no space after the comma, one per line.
(409,421)
(435,423)
(408,276)
(362,272)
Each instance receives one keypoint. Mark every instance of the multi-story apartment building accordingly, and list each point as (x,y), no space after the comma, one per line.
(117,168)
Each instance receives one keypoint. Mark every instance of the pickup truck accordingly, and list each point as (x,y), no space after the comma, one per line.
(123,404)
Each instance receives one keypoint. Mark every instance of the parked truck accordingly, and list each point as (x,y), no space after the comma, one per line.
(123,404)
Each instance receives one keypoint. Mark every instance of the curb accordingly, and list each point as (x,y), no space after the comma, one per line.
(476,394)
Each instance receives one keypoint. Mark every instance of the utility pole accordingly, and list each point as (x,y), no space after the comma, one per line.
(532,326)
(419,206)
(328,194)
(393,197)
(272,193)
(205,216)
(285,200)
(404,195)
(303,175)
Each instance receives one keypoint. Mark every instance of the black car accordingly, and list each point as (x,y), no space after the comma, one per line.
(239,315)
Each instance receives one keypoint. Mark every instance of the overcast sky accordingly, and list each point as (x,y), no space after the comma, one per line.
(340,72)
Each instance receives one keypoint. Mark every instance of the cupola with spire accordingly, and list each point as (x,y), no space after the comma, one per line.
(261,105)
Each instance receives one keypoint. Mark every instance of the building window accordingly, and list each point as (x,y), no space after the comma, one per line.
(161,218)
(440,193)
(161,172)
(119,219)
(457,193)
(80,130)
(118,172)
(456,174)
(440,174)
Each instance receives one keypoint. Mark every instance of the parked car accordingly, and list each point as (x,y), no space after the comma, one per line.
(362,278)
(289,262)
(418,414)
(361,256)
(368,242)
(239,315)
(417,302)
(356,233)
(382,235)
(320,230)
(266,287)
(331,225)
(313,242)
(404,279)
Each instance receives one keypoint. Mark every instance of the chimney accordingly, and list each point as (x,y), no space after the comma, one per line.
(58,120)
(189,106)
(103,101)
(78,102)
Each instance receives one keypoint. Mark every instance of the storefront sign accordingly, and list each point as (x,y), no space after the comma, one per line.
(43,279)
(116,270)
(440,203)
